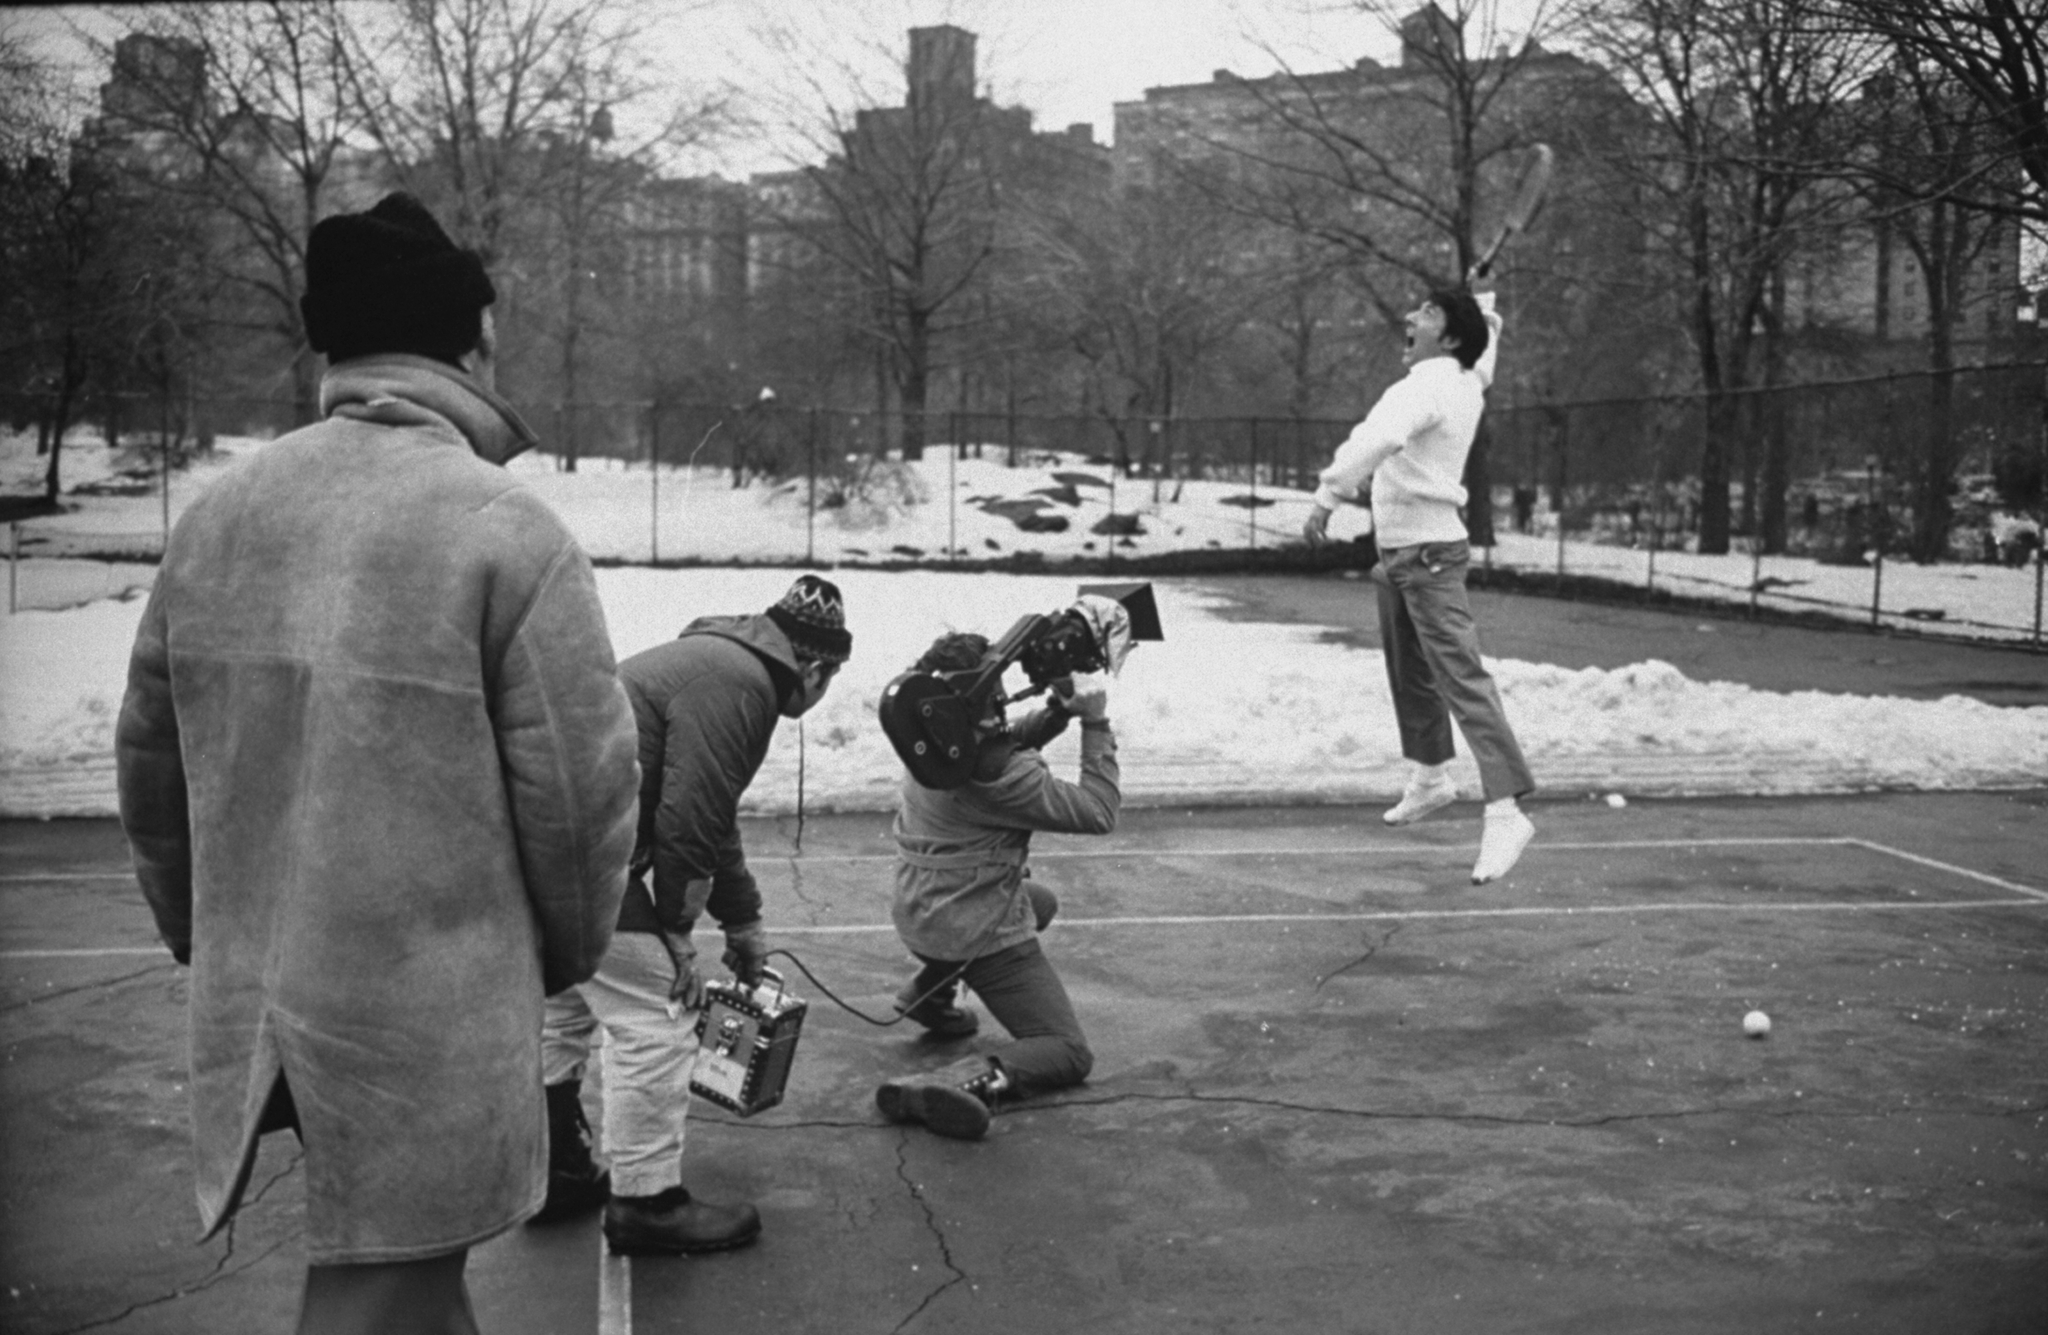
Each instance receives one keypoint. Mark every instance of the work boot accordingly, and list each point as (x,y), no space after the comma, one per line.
(953,1101)
(937,1013)
(1421,797)
(670,1223)
(575,1182)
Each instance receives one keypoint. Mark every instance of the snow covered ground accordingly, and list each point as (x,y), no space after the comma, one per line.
(1223,711)
(629,513)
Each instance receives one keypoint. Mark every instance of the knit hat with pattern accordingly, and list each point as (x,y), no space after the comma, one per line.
(813,615)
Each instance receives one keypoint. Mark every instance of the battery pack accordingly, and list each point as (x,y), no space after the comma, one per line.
(746,1040)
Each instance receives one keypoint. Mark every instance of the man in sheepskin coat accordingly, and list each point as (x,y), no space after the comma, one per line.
(379,777)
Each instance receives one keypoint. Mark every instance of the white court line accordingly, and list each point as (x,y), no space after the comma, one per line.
(614,1291)
(1950,867)
(2032,896)
(1521,911)
(1343,850)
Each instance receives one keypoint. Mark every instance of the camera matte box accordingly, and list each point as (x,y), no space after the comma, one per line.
(746,1043)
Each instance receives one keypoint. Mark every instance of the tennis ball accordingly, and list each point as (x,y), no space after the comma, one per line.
(1617,801)
(1756,1024)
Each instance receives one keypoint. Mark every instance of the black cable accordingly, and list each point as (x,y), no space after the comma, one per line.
(903,1013)
(834,997)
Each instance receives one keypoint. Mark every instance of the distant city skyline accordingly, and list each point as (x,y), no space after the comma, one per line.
(1067,61)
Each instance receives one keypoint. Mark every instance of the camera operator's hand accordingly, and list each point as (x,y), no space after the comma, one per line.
(1087,697)
(746,952)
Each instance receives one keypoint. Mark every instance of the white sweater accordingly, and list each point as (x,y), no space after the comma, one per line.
(1412,449)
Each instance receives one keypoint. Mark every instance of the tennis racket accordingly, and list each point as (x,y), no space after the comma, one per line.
(1530,191)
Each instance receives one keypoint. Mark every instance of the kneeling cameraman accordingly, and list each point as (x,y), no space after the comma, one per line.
(964,907)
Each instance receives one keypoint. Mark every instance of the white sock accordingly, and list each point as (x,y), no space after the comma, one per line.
(1501,807)
(1431,775)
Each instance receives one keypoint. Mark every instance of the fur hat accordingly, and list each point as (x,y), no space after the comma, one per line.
(813,615)
(390,280)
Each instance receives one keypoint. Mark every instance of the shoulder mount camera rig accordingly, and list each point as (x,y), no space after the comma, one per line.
(930,717)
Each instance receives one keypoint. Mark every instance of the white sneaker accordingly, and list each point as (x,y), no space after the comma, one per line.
(1420,798)
(1501,842)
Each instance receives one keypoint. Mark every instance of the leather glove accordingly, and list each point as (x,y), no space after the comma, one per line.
(746,952)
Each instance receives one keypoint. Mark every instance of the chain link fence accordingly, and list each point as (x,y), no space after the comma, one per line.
(1606,492)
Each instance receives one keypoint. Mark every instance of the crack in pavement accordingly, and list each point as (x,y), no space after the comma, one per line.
(931,1223)
(13,1006)
(220,1269)
(1371,1114)
(796,888)
(1372,951)
(1500,1119)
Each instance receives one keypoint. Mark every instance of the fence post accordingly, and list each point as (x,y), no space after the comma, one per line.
(811,492)
(14,564)
(1564,455)
(1877,534)
(164,448)
(1109,537)
(1253,508)
(654,483)
(953,488)
(1756,565)
(2040,558)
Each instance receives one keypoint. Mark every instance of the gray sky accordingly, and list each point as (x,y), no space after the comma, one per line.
(1067,60)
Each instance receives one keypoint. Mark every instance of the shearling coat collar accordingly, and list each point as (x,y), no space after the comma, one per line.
(399,389)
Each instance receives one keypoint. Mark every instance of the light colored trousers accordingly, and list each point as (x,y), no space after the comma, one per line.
(648,1057)
(1434,668)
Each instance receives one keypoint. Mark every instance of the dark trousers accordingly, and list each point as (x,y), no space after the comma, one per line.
(426,1297)
(1025,995)
(1434,668)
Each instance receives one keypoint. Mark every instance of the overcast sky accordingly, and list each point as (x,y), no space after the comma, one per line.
(1067,60)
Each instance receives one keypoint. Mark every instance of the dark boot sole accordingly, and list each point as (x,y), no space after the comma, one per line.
(631,1245)
(633,1248)
(944,1111)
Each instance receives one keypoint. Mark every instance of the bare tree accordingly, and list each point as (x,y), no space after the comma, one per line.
(1925,148)
(533,125)
(1742,93)
(1405,170)
(71,292)
(1308,312)
(1996,51)
(905,208)
(1145,292)
(244,114)
(1395,169)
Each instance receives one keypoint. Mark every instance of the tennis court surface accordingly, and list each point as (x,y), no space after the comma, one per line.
(1337,1089)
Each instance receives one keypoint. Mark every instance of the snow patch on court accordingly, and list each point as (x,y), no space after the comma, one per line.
(1224,711)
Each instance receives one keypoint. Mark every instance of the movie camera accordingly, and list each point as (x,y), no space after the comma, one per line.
(930,717)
